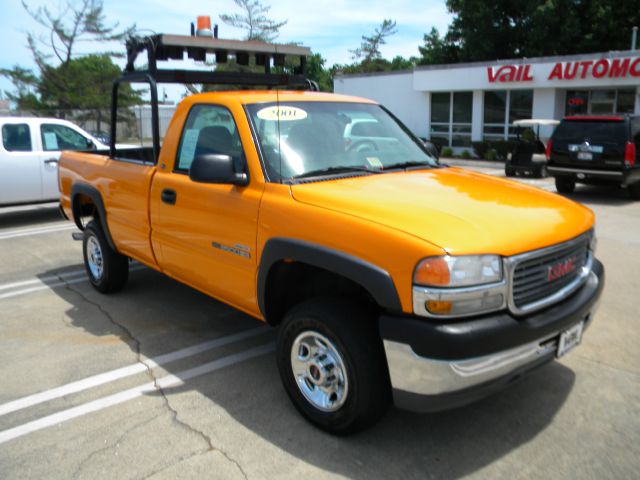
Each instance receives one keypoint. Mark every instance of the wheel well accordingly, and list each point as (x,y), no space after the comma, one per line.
(83,207)
(289,283)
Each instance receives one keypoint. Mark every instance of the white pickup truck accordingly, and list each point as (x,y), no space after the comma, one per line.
(29,152)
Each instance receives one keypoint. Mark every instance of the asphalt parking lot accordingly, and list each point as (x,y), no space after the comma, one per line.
(160,381)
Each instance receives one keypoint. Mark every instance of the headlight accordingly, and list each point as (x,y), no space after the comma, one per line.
(451,286)
(464,271)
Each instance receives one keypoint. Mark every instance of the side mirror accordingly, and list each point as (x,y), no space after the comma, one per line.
(431,149)
(212,168)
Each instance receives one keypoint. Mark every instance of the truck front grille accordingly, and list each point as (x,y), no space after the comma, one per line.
(548,275)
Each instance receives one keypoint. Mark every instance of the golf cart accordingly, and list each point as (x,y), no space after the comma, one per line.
(528,157)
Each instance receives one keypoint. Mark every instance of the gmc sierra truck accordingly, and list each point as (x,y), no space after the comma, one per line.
(390,277)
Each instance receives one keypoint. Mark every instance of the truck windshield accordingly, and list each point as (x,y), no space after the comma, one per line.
(307,139)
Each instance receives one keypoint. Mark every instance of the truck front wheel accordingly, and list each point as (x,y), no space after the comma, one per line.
(332,364)
(108,270)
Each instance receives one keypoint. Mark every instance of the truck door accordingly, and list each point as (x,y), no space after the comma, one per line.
(205,234)
(55,138)
(19,165)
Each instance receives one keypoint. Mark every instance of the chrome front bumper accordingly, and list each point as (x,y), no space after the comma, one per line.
(426,384)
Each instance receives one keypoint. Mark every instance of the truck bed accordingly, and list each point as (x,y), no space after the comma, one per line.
(122,185)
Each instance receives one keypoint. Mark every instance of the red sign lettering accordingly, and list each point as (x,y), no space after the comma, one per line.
(556,72)
(615,68)
(619,68)
(604,67)
(510,73)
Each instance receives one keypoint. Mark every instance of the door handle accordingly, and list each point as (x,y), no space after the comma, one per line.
(51,160)
(169,196)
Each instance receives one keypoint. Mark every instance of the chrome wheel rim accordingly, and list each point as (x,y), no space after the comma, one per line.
(94,257)
(319,371)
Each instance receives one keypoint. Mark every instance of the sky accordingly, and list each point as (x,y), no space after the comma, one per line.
(329,28)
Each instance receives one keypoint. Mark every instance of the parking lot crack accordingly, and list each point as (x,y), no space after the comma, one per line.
(209,442)
(149,370)
(114,444)
(127,334)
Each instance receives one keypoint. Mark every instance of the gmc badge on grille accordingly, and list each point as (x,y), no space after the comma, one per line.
(561,269)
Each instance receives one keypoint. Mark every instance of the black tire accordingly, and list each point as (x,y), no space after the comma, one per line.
(634,191)
(565,184)
(352,331)
(114,268)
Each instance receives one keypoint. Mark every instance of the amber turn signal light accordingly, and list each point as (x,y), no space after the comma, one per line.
(432,271)
(438,307)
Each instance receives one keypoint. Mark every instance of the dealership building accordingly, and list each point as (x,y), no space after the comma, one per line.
(459,103)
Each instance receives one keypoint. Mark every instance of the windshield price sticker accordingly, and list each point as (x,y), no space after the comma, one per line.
(282,113)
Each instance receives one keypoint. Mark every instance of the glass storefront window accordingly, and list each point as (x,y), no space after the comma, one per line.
(584,102)
(502,108)
(626,101)
(494,106)
(457,106)
(520,104)
(577,102)
(440,104)
(462,105)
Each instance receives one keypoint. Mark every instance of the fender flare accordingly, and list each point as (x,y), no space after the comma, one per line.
(96,198)
(375,280)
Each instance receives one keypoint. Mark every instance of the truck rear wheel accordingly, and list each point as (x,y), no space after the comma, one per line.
(332,364)
(565,184)
(108,270)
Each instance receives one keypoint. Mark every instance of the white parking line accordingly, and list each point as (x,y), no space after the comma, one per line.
(27,232)
(121,397)
(50,278)
(50,282)
(127,371)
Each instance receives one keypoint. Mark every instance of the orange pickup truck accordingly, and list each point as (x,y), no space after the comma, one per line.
(391,278)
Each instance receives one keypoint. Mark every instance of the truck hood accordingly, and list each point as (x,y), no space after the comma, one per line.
(460,211)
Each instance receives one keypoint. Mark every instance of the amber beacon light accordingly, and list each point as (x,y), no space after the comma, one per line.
(204,26)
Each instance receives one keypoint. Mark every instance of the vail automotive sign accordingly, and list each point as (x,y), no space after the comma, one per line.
(580,69)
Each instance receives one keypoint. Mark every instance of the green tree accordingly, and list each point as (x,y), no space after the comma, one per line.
(317,72)
(436,50)
(528,28)
(254,21)
(65,80)
(89,80)
(369,50)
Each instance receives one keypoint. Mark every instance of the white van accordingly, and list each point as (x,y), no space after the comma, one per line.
(29,152)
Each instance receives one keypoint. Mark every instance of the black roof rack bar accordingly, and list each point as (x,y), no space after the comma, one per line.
(220,78)
(173,47)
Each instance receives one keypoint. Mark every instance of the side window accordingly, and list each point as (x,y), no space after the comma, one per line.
(16,137)
(209,129)
(59,137)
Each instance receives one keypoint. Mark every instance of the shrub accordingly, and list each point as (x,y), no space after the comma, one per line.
(490,155)
(440,143)
(481,148)
(446,152)
(466,154)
